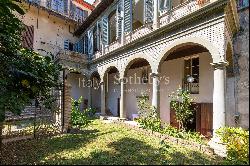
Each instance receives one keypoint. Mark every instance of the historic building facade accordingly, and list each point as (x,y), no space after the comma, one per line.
(125,49)
(154,47)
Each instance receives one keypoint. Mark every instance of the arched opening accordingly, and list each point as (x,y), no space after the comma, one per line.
(138,14)
(79,88)
(112,91)
(112,26)
(188,66)
(95,91)
(137,83)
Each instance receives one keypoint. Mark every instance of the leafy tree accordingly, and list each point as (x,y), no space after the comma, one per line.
(24,74)
(181,103)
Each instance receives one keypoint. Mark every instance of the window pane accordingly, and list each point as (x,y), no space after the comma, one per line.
(187,69)
(195,69)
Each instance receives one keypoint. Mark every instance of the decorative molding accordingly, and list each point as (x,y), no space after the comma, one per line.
(219,65)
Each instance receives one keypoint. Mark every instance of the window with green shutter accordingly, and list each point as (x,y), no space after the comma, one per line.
(243,4)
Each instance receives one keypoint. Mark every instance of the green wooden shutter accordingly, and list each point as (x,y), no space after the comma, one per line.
(148,11)
(66,7)
(98,35)
(105,30)
(72,10)
(60,6)
(86,42)
(119,20)
(127,15)
(66,44)
(80,47)
(90,42)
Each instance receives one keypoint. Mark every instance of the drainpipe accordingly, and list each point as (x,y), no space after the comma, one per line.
(63,99)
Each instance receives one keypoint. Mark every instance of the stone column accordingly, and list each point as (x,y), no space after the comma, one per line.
(122,115)
(156,15)
(219,107)
(156,92)
(219,102)
(103,98)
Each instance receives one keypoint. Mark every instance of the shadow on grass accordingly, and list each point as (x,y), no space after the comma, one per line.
(129,151)
(33,151)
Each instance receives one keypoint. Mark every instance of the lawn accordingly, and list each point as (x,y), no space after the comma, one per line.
(102,143)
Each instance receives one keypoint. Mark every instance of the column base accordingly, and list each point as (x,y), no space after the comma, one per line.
(218,147)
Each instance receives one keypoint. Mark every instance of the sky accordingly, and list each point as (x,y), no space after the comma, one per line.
(90,1)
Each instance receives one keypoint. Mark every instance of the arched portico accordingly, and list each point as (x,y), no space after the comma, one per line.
(135,81)
(95,91)
(110,91)
(205,64)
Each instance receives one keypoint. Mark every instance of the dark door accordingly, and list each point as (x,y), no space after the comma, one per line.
(206,116)
(173,121)
(118,107)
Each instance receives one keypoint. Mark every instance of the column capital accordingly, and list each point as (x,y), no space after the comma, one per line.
(219,65)
(154,75)
(122,80)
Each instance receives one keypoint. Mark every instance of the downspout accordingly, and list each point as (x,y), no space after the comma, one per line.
(63,99)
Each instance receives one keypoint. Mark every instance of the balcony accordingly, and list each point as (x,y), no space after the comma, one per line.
(165,18)
(71,57)
(57,10)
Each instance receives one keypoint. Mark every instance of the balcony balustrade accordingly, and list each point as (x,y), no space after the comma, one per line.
(165,17)
(71,56)
(60,9)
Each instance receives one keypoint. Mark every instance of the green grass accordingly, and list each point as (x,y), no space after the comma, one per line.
(102,144)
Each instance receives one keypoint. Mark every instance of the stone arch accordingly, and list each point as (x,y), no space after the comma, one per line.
(94,73)
(215,53)
(132,59)
(106,69)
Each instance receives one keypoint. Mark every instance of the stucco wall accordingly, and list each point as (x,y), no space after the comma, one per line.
(241,58)
(49,31)
(77,87)
(134,89)
(96,95)
(173,70)
(113,92)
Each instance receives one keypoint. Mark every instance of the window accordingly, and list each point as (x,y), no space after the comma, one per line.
(191,75)
(243,4)
(165,4)
(112,26)
(28,37)
(80,14)
(58,6)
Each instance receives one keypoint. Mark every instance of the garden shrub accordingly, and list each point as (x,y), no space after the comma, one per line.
(148,116)
(237,144)
(149,119)
(188,135)
(181,102)
(80,118)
